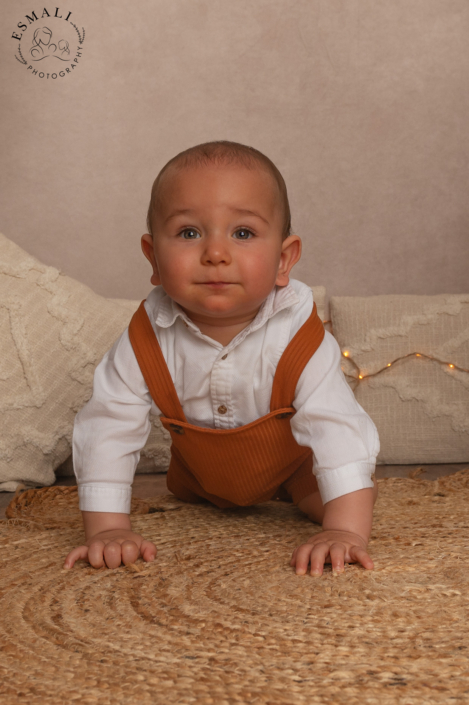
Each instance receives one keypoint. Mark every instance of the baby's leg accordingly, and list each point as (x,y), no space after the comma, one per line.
(313,507)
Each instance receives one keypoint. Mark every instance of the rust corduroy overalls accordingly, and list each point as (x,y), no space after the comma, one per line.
(240,466)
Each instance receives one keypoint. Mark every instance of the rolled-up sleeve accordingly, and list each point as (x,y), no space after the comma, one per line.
(330,421)
(110,430)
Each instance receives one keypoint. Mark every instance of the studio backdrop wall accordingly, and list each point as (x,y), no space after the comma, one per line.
(362,104)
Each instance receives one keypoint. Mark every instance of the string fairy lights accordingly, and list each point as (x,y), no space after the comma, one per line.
(359,374)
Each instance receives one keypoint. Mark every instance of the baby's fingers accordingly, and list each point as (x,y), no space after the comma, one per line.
(95,553)
(78,554)
(300,558)
(337,554)
(113,554)
(306,552)
(130,552)
(318,557)
(359,555)
(148,550)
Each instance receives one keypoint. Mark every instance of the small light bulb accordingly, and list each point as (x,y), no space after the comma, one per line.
(346,353)
(360,376)
(389,364)
(418,355)
(452,366)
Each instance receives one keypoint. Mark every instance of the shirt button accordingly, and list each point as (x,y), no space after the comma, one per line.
(225,356)
(222,409)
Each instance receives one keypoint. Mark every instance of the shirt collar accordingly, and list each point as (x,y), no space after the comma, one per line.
(278,299)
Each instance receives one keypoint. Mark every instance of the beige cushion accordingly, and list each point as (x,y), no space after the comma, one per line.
(420,406)
(53,332)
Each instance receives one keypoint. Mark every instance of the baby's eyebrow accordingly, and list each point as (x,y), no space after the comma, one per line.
(188,211)
(245,211)
(181,211)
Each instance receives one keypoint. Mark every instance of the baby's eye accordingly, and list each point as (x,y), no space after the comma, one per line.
(189,234)
(243,234)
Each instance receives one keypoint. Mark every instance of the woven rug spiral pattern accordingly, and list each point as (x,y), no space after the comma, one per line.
(220,617)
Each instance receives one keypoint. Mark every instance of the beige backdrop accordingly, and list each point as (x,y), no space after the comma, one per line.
(362,104)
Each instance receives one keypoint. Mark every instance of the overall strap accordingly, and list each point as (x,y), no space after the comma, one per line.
(294,359)
(153,365)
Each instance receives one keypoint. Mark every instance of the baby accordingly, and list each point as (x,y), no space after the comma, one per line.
(232,356)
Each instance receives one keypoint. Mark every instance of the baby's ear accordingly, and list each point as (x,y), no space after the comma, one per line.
(291,253)
(149,252)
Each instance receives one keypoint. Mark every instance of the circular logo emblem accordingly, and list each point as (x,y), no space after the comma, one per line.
(50,44)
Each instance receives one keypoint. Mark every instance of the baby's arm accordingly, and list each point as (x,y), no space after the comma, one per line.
(110,541)
(346,531)
(108,434)
(345,444)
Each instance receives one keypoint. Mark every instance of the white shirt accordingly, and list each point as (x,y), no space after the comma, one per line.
(112,428)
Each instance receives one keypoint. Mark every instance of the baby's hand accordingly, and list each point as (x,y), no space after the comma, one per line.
(112,548)
(335,547)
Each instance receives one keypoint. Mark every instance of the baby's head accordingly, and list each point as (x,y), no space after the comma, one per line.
(219,230)
(223,155)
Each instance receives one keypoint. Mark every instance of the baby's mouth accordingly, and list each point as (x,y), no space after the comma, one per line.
(216,284)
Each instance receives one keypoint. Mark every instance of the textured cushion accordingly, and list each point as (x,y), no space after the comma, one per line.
(53,332)
(420,406)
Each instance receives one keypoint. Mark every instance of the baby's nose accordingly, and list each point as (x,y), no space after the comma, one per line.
(216,252)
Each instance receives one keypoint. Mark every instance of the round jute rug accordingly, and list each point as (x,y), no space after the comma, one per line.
(221,618)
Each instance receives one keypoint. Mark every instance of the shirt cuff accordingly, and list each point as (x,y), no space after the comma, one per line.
(104,498)
(346,479)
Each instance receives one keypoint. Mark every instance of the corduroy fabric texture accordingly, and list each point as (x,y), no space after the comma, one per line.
(420,406)
(233,467)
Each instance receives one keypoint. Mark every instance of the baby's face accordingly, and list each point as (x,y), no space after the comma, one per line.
(217,248)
